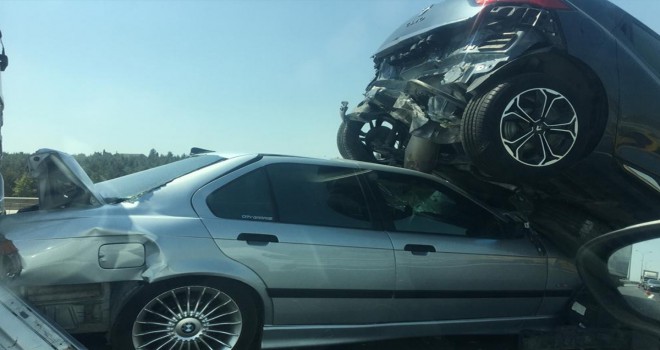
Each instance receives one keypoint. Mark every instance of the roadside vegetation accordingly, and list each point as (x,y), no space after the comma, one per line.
(100,166)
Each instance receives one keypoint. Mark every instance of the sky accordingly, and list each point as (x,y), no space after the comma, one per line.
(232,76)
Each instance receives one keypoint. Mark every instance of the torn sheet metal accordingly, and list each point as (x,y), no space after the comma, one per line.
(429,68)
(61,180)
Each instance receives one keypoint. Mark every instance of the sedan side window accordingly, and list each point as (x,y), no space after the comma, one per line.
(246,198)
(319,195)
(418,205)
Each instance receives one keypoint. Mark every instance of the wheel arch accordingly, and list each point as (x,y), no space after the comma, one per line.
(126,292)
(133,289)
(556,63)
(220,279)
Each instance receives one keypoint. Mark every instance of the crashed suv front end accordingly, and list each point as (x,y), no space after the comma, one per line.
(425,105)
(537,97)
(426,83)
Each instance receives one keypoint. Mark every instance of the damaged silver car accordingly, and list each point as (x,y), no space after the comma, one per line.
(213,252)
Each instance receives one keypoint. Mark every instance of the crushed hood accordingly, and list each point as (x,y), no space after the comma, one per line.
(61,181)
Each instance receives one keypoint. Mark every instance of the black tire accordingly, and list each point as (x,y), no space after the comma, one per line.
(509,134)
(217,313)
(349,145)
(381,140)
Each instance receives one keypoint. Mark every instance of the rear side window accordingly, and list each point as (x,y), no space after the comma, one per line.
(319,195)
(296,194)
(246,198)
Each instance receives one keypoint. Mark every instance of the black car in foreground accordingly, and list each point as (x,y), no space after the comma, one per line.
(553,101)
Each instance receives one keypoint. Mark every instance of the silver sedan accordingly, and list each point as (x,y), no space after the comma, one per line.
(219,253)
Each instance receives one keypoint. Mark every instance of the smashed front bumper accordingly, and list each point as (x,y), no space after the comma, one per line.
(425,80)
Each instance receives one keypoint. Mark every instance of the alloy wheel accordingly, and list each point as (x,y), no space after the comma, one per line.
(539,127)
(192,317)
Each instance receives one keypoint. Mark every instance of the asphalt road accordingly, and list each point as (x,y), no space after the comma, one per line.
(444,343)
(645,303)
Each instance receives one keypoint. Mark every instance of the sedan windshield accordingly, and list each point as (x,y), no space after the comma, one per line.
(135,184)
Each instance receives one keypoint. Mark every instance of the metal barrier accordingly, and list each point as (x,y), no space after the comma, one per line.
(16,203)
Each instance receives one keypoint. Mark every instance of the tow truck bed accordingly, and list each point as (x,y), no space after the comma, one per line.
(22,327)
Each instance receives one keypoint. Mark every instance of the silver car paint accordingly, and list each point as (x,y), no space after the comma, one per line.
(509,264)
(296,336)
(502,264)
(562,274)
(468,264)
(63,246)
(309,257)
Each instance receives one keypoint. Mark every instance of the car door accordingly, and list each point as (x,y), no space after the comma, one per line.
(638,136)
(453,261)
(306,230)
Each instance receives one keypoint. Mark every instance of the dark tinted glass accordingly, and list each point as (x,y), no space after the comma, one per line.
(646,43)
(319,195)
(246,198)
(419,205)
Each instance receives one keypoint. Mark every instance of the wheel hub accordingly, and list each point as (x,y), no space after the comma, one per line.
(377,137)
(539,127)
(188,328)
(381,138)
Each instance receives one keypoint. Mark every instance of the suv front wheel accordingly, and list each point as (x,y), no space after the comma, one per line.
(531,125)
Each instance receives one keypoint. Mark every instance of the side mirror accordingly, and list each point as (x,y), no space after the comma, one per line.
(620,269)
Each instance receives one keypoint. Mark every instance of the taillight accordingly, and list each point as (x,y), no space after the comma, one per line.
(10,261)
(7,247)
(546,4)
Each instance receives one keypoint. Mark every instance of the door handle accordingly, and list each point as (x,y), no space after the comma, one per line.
(419,249)
(257,238)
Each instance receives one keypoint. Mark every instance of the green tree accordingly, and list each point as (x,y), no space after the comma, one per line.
(25,186)
(99,166)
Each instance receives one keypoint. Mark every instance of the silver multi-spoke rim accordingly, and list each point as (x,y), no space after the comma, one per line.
(539,127)
(190,318)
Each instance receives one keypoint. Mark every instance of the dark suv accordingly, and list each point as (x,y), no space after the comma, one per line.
(552,100)
(517,89)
